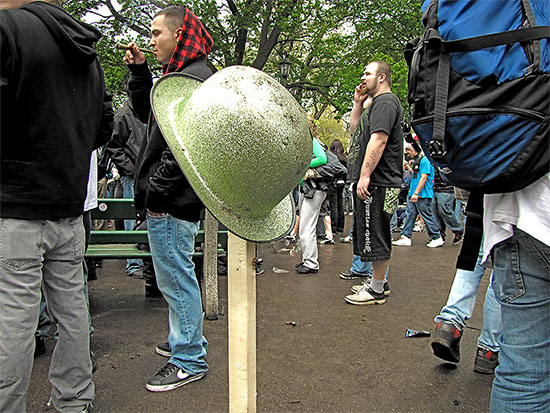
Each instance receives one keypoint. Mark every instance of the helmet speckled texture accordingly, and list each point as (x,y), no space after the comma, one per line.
(242,141)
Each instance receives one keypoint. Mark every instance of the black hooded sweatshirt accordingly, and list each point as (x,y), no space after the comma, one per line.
(54,111)
(160,184)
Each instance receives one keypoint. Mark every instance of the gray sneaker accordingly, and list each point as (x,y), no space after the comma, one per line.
(171,377)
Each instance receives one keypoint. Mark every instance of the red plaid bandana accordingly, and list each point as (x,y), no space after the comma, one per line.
(193,44)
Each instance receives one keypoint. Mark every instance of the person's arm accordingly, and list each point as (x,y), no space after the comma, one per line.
(162,183)
(319,155)
(373,153)
(419,187)
(140,82)
(361,101)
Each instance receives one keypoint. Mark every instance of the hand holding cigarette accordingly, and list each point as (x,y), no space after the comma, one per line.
(129,47)
(134,55)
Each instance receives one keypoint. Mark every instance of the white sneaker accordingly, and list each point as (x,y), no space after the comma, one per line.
(435,243)
(364,285)
(403,242)
(418,227)
(366,296)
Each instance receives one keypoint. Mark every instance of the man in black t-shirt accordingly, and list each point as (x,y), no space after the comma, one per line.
(376,170)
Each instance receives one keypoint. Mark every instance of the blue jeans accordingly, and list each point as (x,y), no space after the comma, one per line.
(364,268)
(443,205)
(127,183)
(461,302)
(522,286)
(360,267)
(396,218)
(423,207)
(35,253)
(460,217)
(172,243)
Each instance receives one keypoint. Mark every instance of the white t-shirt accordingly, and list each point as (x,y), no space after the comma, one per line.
(91,198)
(528,209)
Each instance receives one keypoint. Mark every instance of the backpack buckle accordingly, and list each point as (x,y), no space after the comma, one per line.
(437,151)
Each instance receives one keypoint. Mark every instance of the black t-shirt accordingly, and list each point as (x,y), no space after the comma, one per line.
(384,115)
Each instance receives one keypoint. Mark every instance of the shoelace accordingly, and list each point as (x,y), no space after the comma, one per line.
(167,370)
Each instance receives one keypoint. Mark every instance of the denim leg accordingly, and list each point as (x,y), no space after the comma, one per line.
(360,267)
(458,212)
(393,221)
(71,369)
(44,322)
(462,297)
(172,243)
(424,207)
(492,321)
(446,211)
(127,183)
(51,252)
(87,220)
(410,217)
(522,286)
(309,214)
(20,279)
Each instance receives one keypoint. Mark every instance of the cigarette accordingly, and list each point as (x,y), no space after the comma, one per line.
(126,47)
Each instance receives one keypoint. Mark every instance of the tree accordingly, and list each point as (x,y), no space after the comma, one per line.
(327,42)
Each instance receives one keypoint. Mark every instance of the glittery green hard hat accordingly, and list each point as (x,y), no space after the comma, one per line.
(243,143)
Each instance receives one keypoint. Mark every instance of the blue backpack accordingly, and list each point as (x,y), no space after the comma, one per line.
(479,86)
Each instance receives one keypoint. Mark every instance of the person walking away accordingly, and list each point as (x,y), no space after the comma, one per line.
(444,208)
(419,200)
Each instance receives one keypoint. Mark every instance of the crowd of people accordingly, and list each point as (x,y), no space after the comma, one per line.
(49,183)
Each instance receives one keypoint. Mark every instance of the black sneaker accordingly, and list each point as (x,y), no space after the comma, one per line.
(446,342)
(171,377)
(164,349)
(486,361)
(151,290)
(350,275)
(327,241)
(302,269)
(40,347)
(458,237)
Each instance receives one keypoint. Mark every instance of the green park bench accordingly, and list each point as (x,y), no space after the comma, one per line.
(116,244)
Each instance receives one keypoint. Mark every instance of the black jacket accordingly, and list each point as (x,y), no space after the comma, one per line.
(54,111)
(159,183)
(126,140)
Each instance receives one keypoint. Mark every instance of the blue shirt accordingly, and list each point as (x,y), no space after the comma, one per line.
(425,168)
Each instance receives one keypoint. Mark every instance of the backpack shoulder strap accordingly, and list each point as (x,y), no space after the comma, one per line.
(473,234)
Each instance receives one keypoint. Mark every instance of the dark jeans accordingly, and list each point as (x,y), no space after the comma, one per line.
(336,199)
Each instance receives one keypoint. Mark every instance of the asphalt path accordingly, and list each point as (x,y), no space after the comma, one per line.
(315,352)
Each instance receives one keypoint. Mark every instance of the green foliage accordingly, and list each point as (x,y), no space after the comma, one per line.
(328,42)
(330,128)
